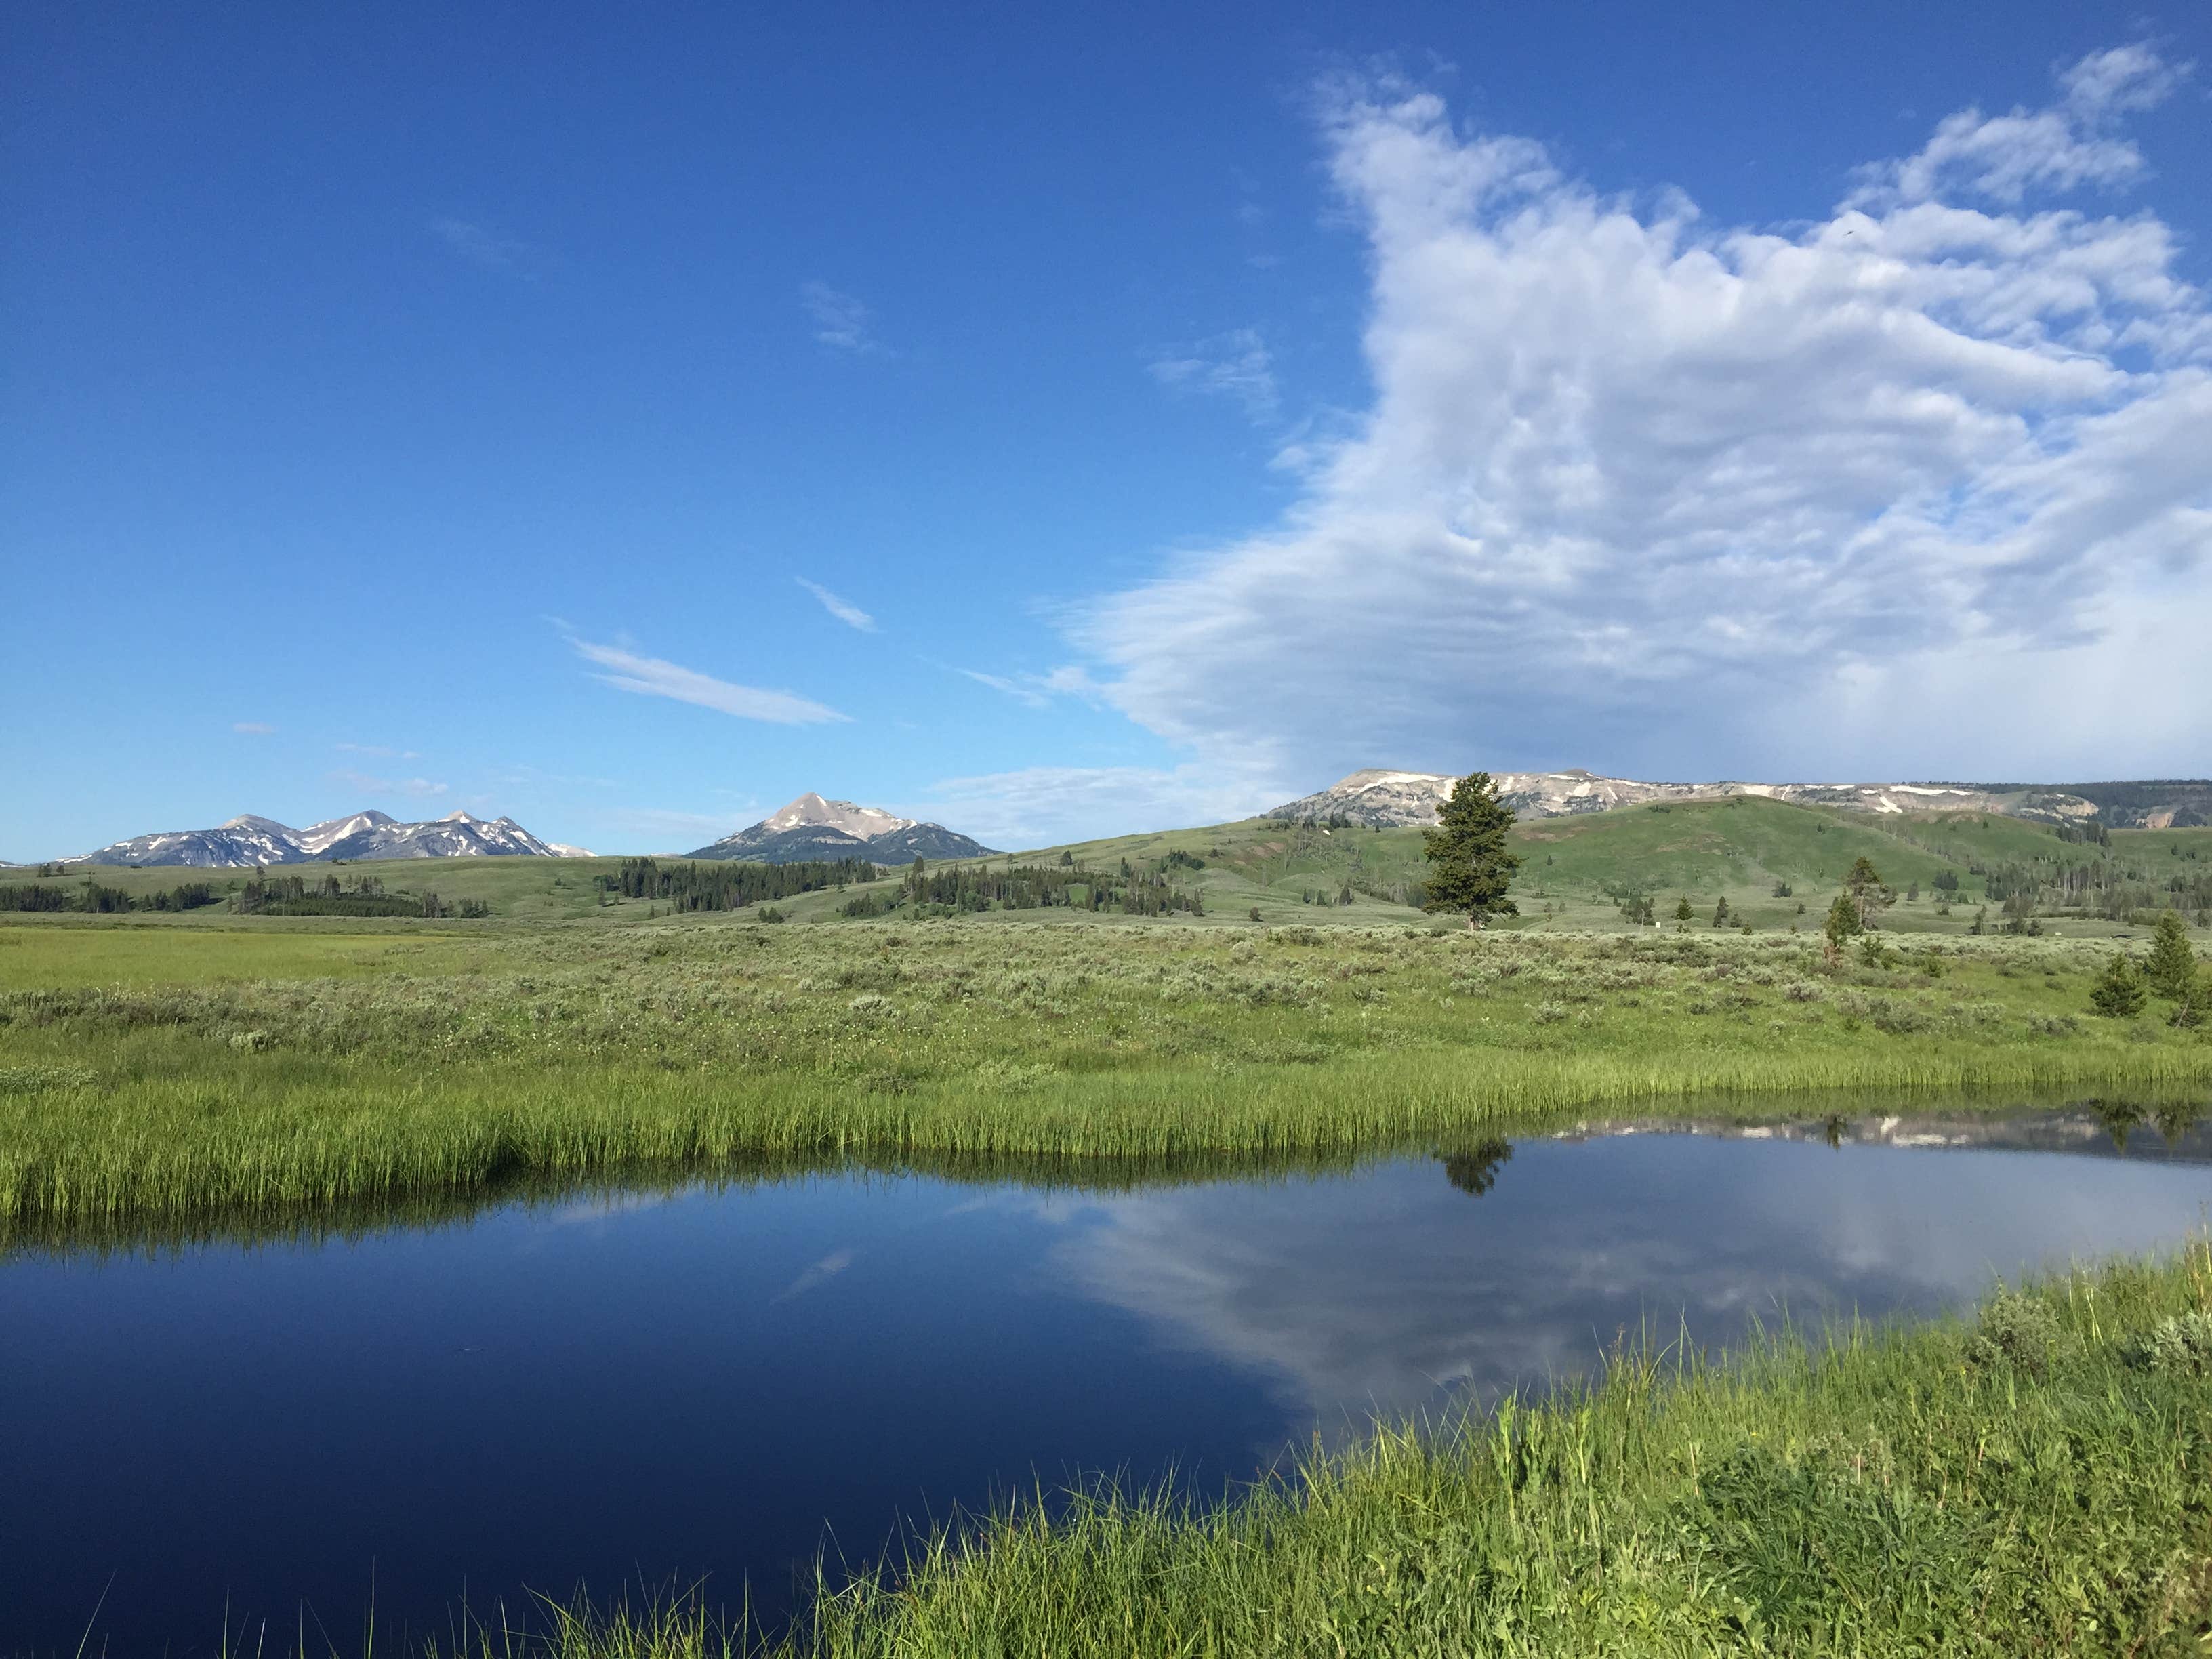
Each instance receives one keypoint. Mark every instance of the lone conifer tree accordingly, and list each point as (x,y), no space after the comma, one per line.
(1870,895)
(2171,967)
(1469,867)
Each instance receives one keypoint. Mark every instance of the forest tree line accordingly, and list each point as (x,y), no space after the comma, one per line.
(91,896)
(733,886)
(295,895)
(1129,892)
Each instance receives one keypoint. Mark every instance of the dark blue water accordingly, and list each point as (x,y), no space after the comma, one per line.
(716,1381)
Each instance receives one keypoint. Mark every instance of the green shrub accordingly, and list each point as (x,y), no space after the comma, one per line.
(2178,1347)
(2015,1330)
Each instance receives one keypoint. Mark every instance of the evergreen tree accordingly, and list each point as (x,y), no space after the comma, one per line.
(1469,866)
(2118,991)
(2171,968)
(1869,893)
(1682,912)
(1843,924)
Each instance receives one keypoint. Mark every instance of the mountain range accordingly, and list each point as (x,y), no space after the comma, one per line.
(247,841)
(812,827)
(1376,796)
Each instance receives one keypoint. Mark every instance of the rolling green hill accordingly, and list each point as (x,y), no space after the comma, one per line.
(1741,848)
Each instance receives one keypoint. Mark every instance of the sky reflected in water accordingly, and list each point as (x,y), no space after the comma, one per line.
(700,1382)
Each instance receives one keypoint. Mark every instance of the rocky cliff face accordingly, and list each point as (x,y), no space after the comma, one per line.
(1387,797)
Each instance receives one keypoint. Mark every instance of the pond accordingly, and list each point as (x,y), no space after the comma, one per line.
(717,1380)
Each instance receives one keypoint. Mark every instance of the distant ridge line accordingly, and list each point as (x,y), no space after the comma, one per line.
(1382,796)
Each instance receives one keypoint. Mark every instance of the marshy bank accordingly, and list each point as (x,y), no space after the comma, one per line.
(252,1074)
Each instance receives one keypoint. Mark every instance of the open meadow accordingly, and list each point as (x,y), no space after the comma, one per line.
(153,1072)
(179,1076)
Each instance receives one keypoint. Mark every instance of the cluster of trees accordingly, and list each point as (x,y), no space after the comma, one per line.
(1035,887)
(1633,904)
(733,886)
(2112,888)
(90,896)
(265,895)
(1858,909)
(2172,971)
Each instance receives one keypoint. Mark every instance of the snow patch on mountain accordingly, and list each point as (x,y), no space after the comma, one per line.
(1378,796)
(814,827)
(247,842)
(863,823)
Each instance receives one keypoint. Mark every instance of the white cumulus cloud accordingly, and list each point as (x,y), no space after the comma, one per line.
(1911,486)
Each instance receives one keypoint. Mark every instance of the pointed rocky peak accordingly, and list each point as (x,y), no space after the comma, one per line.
(318,837)
(813,810)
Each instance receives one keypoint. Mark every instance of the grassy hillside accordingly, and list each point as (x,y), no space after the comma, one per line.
(1740,849)
(1576,867)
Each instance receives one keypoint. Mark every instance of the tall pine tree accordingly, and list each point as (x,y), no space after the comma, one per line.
(1469,867)
(2171,969)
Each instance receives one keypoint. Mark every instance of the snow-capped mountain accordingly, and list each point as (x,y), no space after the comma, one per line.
(861,823)
(245,841)
(812,827)
(318,838)
(455,835)
(1380,796)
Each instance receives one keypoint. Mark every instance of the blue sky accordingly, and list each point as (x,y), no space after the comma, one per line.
(1058,424)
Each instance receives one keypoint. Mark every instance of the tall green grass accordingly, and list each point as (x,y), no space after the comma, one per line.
(560,1056)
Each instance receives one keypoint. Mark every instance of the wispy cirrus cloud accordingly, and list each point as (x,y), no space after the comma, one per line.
(1919,476)
(841,319)
(843,610)
(1038,690)
(415,788)
(653,677)
(481,245)
(252,728)
(1012,688)
(377,751)
(1039,805)
(1237,365)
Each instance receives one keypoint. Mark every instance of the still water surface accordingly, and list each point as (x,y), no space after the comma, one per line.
(701,1382)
